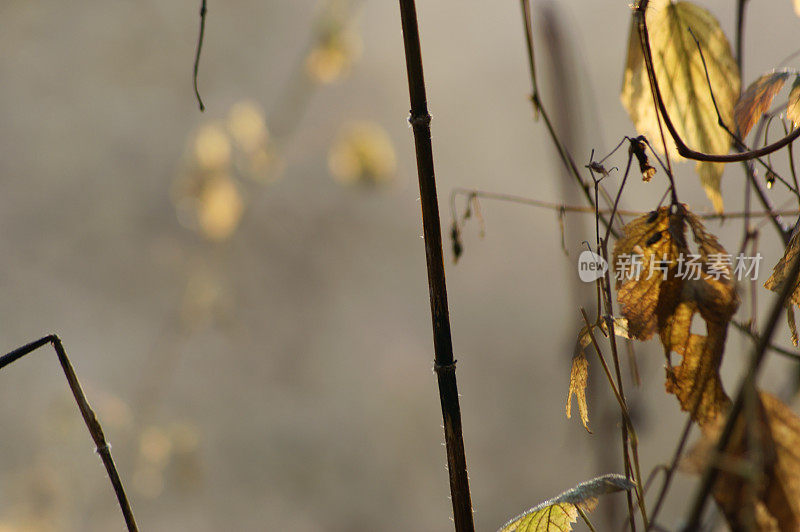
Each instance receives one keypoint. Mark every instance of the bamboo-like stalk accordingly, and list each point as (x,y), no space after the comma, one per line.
(444,363)
(102,447)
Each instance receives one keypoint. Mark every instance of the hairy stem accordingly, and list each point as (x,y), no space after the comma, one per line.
(444,363)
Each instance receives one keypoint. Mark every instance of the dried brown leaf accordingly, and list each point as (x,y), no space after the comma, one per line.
(778,278)
(755,101)
(696,381)
(665,301)
(758,487)
(577,386)
(647,241)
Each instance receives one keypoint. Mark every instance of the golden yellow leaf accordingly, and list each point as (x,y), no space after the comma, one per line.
(797,7)
(793,109)
(755,101)
(666,295)
(696,381)
(792,325)
(558,514)
(647,248)
(577,386)
(682,80)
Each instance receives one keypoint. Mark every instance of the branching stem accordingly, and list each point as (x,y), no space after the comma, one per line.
(95,429)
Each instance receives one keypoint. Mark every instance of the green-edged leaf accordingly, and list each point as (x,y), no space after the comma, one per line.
(755,101)
(558,514)
(682,79)
(793,109)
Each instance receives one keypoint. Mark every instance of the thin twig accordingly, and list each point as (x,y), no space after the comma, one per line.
(740,146)
(740,11)
(627,423)
(444,364)
(511,198)
(95,429)
(203,12)
(566,158)
(755,338)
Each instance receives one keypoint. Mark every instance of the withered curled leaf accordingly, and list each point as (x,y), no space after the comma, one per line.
(758,487)
(755,101)
(664,295)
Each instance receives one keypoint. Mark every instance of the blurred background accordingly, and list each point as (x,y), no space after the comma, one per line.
(243,291)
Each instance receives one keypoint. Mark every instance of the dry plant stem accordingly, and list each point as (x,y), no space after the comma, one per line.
(739,145)
(740,11)
(444,363)
(590,210)
(748,382)
(566,158)
(790,151)
(89,417)
(627,438)
(684,150)
(755,337)
(627,424)
(585,517)
(200,37)
(669,473)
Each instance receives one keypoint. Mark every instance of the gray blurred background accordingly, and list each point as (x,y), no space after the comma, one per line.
(255,333)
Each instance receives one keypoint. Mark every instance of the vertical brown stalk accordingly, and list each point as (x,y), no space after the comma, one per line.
(444,364)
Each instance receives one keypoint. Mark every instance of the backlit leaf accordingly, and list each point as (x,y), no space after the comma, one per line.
(682,80)
(758,486)
(577,386)
(648,243)
(793,109)
(666,295)
(755,101)
(558,514)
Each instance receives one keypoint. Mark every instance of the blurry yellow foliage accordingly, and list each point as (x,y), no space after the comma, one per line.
(167,454)
(362,153)
(209,203)
(155,446)
(220,208)
(212,147)
(337,46)
(247,126)
(333,56)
